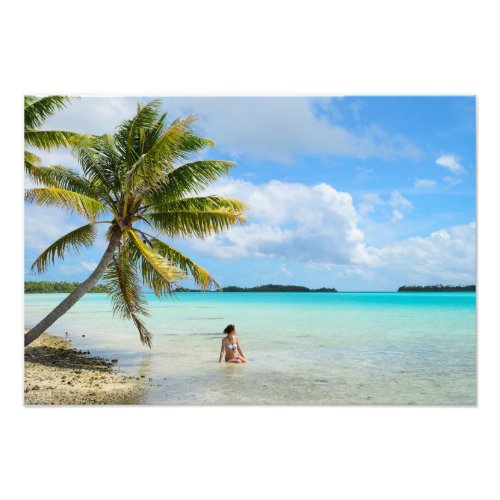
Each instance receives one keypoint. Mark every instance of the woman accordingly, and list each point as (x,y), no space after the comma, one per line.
(231,347)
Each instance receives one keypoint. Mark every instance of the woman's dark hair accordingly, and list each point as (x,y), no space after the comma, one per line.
(229,329)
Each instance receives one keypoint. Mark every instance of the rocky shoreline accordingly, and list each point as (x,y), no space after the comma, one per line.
(57,374)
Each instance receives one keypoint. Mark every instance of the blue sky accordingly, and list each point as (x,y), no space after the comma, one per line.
(358,193)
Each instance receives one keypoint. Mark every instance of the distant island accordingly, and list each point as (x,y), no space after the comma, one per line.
(437,288)
(66,287)
(278,288)
(57,287)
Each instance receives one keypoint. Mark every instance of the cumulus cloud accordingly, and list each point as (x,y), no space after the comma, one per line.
(319,226)
(291,220)
(425,183)
(448,255)
(452,163)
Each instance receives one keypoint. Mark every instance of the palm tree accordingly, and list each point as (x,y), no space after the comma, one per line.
(36,111)
(133,180)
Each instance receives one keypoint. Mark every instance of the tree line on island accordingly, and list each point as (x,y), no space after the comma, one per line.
(437,288)
(58,287)
(275,288)
(68,287)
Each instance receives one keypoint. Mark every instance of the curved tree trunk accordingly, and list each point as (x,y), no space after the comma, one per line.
(77,294)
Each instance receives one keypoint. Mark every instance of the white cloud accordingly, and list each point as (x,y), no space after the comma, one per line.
(369,202)
(452,163)
(400,206)
(448,255)
(309,224)
(281,128)
(425,183)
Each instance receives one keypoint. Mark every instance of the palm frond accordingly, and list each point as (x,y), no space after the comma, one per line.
(31,162)
(197,217)
(200,275)
(130,134)
(188,224)
(50,139)
(125,291)
(78,203)
(98,159)
(161,265)
(160,150)
(31,158)
(38,109)
(83,236)
(65,178)
(211,202)
(189,178)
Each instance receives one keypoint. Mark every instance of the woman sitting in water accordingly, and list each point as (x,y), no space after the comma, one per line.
(231,346)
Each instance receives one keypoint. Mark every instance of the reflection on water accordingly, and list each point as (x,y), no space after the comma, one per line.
(303,348)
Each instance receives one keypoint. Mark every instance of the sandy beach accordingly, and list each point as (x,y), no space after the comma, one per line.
(57,374)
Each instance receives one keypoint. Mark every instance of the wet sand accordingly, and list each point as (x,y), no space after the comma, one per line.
(57,374)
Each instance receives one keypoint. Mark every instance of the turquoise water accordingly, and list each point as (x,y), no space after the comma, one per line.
(303,348)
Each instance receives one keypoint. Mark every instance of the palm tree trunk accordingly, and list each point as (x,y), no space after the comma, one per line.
(77,294)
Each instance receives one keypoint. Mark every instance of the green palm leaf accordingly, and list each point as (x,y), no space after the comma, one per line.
(166,270)
(193,223)
(88,207)
(200,275)
(31,162)
(201,203)
(81,237)
(50,139)
(167,146)
(199,217)
(125,291)
(189,178)
(61,177)
(38,109)
(31,158)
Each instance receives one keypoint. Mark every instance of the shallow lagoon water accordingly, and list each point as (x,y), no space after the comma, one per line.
(303,348)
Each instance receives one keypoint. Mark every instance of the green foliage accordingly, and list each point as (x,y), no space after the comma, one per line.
(36,112)
(276,288)
(38,109)
(437,288)
(126,295)
(81,237)
(58,287)
(137,177)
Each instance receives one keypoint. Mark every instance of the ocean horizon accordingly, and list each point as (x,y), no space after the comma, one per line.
(303,348)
